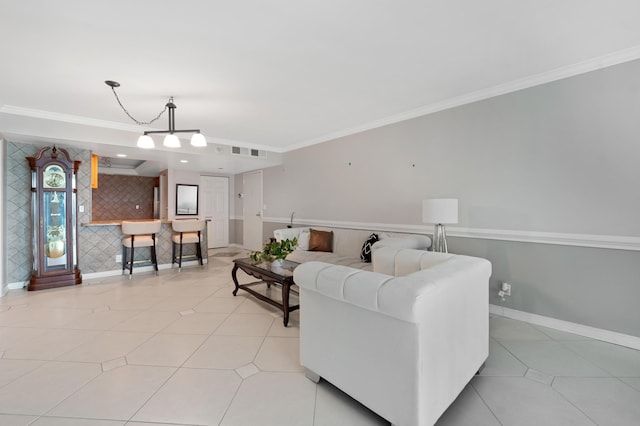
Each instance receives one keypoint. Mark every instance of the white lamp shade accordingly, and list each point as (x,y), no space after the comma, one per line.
(171,141)
(440,210)
(145,142)
(198,140)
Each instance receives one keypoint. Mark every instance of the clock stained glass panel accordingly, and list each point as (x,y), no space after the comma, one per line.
(55,232)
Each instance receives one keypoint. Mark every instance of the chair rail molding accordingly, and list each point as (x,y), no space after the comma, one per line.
(615,242)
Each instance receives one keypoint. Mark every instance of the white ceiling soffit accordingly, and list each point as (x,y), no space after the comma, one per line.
(280,75)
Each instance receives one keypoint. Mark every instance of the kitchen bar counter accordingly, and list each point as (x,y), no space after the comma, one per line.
(117,222)
(102,242)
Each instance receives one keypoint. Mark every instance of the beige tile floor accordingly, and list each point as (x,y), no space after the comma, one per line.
(179,349)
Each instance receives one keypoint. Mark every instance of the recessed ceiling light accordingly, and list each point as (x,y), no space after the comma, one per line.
(121,155)
(183,161)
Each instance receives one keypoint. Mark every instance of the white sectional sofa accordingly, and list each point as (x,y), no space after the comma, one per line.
(347,244)
(405,339)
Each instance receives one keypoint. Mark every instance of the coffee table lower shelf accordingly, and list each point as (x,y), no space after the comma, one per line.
(267,277)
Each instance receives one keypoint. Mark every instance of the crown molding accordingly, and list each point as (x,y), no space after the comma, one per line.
(74,119)
(92,122)
(600,62)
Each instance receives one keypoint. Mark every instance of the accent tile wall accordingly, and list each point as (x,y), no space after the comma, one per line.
(103,244)
(19,260)
(97,245)
(117,197)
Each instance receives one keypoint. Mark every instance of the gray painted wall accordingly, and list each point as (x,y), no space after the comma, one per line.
(595,287)
(561,157)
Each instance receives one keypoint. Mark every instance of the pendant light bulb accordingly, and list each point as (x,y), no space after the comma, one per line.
(145,142)
(171,141)
(198,140)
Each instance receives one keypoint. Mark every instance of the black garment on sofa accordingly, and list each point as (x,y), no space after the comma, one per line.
(365,253)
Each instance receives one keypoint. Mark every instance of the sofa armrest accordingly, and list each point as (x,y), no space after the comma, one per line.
(405,298)
(342,283)
(419,242)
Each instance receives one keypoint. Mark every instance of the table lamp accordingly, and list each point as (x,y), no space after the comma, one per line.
(440,211)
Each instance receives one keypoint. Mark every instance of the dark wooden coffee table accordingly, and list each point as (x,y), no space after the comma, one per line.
(266,274)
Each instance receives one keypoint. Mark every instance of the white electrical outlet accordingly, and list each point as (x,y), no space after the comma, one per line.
(119,258)
(505,291)
(506,288)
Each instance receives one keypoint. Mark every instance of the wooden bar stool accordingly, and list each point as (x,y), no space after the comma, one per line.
(139,234)
(187,231)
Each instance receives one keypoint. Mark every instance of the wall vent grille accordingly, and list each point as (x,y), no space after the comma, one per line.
(248,152)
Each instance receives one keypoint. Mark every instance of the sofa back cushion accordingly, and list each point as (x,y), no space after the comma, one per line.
(320,240)
(348,242)
(287,233)
(401,262)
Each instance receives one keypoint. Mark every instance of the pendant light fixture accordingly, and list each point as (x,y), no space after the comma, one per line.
(170,140)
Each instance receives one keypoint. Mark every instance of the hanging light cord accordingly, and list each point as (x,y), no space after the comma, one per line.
(139,123)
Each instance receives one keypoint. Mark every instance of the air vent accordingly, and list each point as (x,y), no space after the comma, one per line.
(258,153)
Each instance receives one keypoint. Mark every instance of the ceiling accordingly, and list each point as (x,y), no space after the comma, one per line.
(279,75)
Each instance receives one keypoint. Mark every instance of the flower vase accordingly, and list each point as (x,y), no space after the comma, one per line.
(276,265)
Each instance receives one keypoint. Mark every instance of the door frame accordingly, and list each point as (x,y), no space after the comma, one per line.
(210,241)
(246,215)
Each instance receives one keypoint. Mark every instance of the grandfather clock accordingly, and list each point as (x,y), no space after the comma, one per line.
(53,209)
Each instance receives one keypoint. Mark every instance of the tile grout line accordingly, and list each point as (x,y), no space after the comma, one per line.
(570,402)
(181,366)
(483,401)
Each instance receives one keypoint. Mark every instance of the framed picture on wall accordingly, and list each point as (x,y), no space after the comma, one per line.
(186,199)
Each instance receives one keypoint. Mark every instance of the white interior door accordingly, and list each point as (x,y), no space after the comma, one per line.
(215,208)
(252,210)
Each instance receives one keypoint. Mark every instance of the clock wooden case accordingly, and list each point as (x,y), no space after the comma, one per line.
(54,202)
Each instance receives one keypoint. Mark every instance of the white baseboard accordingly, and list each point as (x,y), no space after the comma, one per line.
(103,274)
(614,337)
(17,285)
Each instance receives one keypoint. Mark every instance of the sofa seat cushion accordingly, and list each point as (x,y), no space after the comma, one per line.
(302,256)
